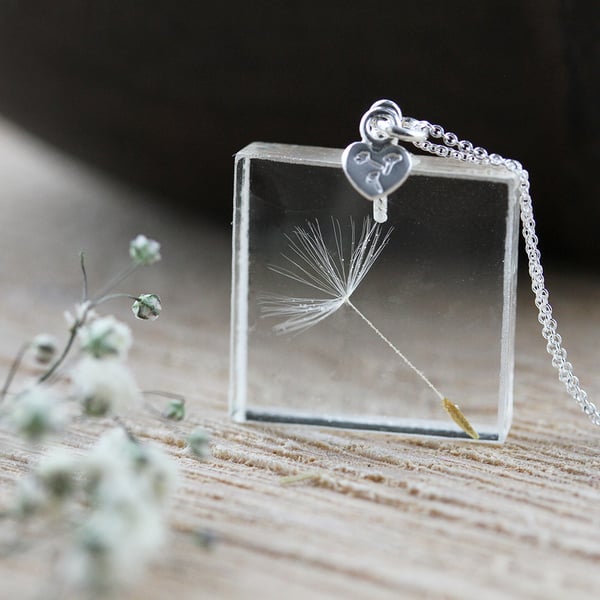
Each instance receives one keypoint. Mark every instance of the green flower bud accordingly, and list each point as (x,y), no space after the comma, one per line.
(147,307)
(175,410)
(198,443)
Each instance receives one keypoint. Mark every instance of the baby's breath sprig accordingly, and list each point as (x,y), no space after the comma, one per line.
(143,251)
(109,502)
(117,493)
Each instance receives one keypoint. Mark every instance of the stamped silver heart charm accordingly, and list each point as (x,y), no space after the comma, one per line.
(376,172)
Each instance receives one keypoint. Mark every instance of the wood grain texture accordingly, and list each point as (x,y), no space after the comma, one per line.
(376,516)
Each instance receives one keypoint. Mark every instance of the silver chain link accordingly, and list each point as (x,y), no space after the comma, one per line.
(453,147)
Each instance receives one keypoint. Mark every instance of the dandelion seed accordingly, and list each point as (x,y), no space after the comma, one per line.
(312,264)
(459,418)
(336,275)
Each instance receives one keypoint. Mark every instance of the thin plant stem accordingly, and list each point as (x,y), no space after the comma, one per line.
(126,429)
(171,395)
(118,279)
(91,304)
(84,294)
(158,413)
(400,354)
(78,323)
(112,297)
(13,370)
(64,353)
(74,329)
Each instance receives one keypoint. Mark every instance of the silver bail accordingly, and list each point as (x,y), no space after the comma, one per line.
(376,166)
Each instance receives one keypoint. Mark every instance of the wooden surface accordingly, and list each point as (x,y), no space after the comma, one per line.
(383,517)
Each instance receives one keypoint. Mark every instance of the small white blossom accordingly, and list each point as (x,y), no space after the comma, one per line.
(144,251)
(104,386)
(147,307)
(117,463)
(105,337)
(44,347)
(37,413)
(113,548)
(128,484)
(31,497)
(56,473)
(108,472)
(157,474)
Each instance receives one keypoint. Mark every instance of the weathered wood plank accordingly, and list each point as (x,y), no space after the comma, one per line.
(379,516)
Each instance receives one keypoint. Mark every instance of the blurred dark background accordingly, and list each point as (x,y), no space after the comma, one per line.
(161,94)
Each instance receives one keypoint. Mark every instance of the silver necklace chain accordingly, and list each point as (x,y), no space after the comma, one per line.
(453,147)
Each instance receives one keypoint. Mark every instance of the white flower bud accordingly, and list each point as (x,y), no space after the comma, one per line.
(105,337)
(147,307)
(144,251)
(44,347)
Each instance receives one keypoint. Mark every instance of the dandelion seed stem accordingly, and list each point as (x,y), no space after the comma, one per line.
(397,352)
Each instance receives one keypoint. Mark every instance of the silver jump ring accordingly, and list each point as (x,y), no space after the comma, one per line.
(407,135)
(384,121)
(375,123)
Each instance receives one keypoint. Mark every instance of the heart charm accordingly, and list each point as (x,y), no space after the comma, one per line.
(375,173)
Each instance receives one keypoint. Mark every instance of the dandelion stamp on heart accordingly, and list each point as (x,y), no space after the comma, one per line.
(375,172)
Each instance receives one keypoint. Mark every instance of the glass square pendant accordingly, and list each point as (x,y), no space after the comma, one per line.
(405,326)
